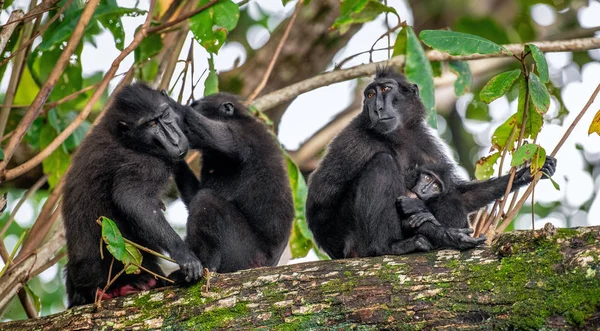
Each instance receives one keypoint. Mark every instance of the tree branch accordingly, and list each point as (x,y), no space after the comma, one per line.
(288,93)
(545,281)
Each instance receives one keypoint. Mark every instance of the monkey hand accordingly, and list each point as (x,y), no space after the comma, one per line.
(190,266)
(407,206)
(422,244)
(549,167)
(524,175)
(459,238)
(416,220)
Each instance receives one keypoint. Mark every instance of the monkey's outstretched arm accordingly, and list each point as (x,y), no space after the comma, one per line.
(205,132)
(478,194)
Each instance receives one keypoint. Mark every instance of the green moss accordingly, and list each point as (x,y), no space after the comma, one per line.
(219,317)
(566,232)
(577,299)
(452,264)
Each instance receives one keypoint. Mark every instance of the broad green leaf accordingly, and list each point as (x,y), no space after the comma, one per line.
(540,60)
(534,120)
(149,47)
(66,27)
(485,27)
(477,110)
(301,239)
(525,153)
(418,70)
(499,85)
(502,134)
(211,85)
(437,67)
(484,168)
(458,43)
(58,162)
(132,259)
(1,154)
(7,4)
(210,27)
(595,125)
(359,11)
(539,94)
(400,44)
(114,25)
(462,84)
(538,160)
(113,238)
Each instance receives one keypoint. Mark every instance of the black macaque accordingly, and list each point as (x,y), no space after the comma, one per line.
(444,200)
(121,171)
(351,195)
(241,209)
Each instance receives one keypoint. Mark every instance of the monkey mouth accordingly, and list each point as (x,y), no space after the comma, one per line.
(386,119)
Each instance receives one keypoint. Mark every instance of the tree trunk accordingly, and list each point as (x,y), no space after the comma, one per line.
(550,280)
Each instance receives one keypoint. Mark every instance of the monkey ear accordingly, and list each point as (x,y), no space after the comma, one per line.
(227,108)
(415,89)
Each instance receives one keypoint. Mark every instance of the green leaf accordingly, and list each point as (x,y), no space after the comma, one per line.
(113,238)
(540,60)
(400,44)
(419,71)
(458,43)
(462,84)
(114,25)
(359,11)
(477,110)
(484,168)
(502,134)
(499,85)
(437,67)
(539,94)
(63,32)
(538,160)
(210,27)
(211,85)
(132,259)
(301,239)
(149,47)
(57,163)
(1,154)
(525,153)
(555,184)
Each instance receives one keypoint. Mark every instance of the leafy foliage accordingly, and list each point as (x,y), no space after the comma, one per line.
(499,85)
(301,240)
(484,168)
(210,27)
(359,11)
(128,254)
(462,84)
(540,60)
(458,43)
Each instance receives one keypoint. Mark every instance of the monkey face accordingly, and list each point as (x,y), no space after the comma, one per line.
(428,186)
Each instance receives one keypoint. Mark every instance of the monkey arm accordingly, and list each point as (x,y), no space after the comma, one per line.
(187,182)
(140,209)
(457,238)
(477,194)
(208,133)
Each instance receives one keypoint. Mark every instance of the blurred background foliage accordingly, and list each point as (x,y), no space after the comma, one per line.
(229,48)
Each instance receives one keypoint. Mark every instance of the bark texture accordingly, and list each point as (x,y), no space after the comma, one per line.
(550,280)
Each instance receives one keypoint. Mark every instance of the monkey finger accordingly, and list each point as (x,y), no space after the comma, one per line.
(466,230)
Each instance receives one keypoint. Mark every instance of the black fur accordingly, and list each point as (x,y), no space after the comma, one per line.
(121,171)
(350,206)
(458,199)
(241,210)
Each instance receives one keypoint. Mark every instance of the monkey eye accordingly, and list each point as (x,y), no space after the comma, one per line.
(436,188)
(370,94)
(166,115)
(385,89)
(152,124)
(427,178)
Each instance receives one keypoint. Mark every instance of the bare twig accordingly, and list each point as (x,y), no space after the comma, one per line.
(286,33)
(26,196)
(9,28)
(46,89)
(43,7)
(288,93)
(539,174)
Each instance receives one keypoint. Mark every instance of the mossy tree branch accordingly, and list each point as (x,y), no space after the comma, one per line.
(522,282)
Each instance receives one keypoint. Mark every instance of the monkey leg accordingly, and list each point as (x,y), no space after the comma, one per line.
(219,234)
